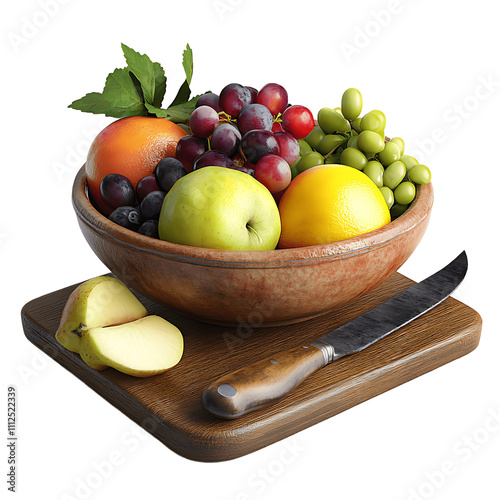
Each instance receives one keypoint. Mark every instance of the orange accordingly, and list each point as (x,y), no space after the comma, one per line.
(131,147)
(330,203)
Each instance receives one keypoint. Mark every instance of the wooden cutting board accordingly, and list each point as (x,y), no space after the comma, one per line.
(168,405)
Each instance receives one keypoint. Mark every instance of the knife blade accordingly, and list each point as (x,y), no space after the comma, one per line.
(268,380)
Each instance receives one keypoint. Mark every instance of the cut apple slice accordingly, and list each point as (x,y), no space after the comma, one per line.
(142,348)
(100,301)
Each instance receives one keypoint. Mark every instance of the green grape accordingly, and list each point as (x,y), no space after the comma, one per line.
(397,210)
(295,167)
(352,103)
(404,193)
(370,142)
(399,143)
(389,154)
(388,196)
(353,158)
(331,121)
(356,125)
(338,110)
(409,161)
(333,159)
(375,121)
(419,174)
(329,143)
(352,142)
(375,171)
(309,160)
(394,174)
(315,136)
(304,147)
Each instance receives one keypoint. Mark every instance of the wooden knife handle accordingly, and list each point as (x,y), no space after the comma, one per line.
(262,382)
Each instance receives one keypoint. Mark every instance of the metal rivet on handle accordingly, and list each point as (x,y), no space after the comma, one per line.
(227,390)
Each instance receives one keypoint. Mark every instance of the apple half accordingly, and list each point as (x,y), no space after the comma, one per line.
(107,325)
(142,348)
(101,301)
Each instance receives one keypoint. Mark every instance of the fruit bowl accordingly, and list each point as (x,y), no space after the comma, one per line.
(252,288)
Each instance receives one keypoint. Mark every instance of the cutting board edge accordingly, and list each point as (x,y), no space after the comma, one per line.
(317,407)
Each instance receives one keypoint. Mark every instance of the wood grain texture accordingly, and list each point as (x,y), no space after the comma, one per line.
(169,405)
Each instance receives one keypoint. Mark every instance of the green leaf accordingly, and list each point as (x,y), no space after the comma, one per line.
(155,110)
(143,69)
(120,89)
(91,103)
(121,92)
(187,63)
(181,112)
(182,95)
(160,84)
(184,92)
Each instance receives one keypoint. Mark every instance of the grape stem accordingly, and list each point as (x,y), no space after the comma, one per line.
(225,117)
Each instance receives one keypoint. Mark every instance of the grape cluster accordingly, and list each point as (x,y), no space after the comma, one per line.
(139,209)
(253,131)
(344,137)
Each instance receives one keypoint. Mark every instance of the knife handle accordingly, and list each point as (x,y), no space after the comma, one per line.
(262,382)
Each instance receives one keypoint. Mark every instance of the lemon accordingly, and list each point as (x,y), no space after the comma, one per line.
(330,203)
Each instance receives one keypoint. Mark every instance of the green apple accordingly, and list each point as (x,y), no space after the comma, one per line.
(217,207)
(142,348)
(100,301)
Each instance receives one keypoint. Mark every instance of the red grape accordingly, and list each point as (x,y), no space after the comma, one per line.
(274,97)
(277,127)
(253,94)
(209,99)
(257,143)
(188,149)
(289,147)
(203,121)
(274,172)
(145,186)
(117,191)
(226,139)
(233,97)
(298,120)
(213,159)
(254,117)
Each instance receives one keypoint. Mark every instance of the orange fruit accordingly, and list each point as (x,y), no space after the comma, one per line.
(131,147)
(330,203)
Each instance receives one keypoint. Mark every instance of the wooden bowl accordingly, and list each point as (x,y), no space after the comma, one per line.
(254,288)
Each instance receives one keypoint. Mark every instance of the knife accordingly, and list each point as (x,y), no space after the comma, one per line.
(270,379)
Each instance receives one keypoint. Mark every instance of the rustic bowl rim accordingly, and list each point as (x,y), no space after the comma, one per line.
(416,214)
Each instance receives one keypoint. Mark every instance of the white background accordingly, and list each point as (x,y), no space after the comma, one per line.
(432,67)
